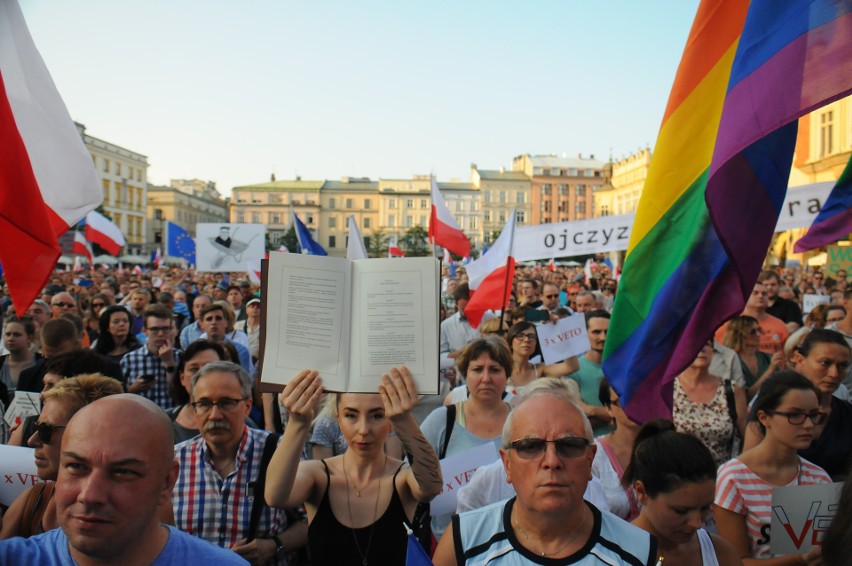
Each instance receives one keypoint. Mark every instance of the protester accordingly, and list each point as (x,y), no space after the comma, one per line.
(523,341)
(363,480)
(250,325)
(194,358)
(137,302)
(674,476)
(589,375)
(58,336)
(224,464)
(585,301)
(193,332)
(114,336)
(215,322)
(743,336)
(456,331)
(773,331)
(34,511)
(547,452)
(18,336)
(115,470)
(823,357)
(784,309)
(613,456)
(147,370)
(787,410)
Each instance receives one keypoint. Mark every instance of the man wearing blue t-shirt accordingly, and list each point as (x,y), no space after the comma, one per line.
(116,469)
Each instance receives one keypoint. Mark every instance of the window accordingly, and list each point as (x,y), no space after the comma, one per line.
(310,219)
(366,223)
(106,191)
(332,222)
(275,218)
(460,206)
(138,174)
(563,190)
(409,203)
(473,223)
(502,218)
(332,241)
(545,190)
(367,204)
(521,197)
(520,216)
(241,217)
(392,221)
(422,221)
(424,203)
(409,221)
(391,203)
(502,196)
(545,172)
(274,238)
(580,190)
(348,203)
(486,216)
(106,165)
(332,203)
(826,131)
(275,198)
(255,217)
(579,172)
(117,187)
(487,197)
(580,206)
(545,206)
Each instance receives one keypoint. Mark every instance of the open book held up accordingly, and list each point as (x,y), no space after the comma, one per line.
(351,320)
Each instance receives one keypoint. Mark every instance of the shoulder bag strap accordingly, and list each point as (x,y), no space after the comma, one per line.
(448,431)
(259,501)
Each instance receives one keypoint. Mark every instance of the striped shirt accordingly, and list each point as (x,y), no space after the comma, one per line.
(218,509)
(740,490)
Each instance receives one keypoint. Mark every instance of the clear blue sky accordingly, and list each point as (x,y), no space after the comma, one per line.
(233,91)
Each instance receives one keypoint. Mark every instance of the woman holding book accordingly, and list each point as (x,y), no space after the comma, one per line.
(356,502)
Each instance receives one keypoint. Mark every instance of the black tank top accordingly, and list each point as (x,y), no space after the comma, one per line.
(332,544)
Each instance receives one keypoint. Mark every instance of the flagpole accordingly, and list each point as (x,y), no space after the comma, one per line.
(506,284)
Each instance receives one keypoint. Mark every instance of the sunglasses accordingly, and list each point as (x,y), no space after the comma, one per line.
(45,431)
(97,305)
(566,447)
(63,304)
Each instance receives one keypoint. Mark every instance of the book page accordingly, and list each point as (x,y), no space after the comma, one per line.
(394,321)
(307,321)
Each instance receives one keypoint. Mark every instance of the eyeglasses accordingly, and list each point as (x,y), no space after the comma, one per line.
(63,304)
(97,305)
(798,417)
(525,337)
(158,329)
(551,296)
(566,447)
(45,431)
(225,405)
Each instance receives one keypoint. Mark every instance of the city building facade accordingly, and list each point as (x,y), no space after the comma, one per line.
(626,181)
(500,192)
(271,203)
(124,177)
(185,202)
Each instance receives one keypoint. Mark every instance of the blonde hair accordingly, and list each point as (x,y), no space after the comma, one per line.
(79,391)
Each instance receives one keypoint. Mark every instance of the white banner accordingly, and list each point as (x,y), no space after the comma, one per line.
(800,516)
(810,301)
(227,247)
(457,471)
(612,233)
(564,339)
(18,469)
(25,404)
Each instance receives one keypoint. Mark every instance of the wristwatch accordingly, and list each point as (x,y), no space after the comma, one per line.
(279,546)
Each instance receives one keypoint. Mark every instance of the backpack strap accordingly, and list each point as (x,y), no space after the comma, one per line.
(259,501)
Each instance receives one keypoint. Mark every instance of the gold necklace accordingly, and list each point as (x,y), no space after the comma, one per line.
(540,552)
(366,552)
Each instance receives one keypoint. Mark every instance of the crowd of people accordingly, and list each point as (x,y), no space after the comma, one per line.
(155,444)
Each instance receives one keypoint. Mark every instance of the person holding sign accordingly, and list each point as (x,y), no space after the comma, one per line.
(345,495)
(523,342)
(674,476)
(787,410)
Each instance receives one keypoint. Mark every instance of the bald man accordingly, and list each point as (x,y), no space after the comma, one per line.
(116,467)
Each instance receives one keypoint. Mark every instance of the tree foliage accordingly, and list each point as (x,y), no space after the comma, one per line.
(377,243)
(415,242)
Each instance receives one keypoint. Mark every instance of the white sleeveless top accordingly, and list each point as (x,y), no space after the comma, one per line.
(708,552)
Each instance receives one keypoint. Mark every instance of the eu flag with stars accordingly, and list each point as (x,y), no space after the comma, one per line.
(179,243)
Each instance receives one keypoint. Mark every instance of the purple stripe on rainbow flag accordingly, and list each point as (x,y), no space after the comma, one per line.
(834,221)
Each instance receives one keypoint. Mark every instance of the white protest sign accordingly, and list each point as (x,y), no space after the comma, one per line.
(800,516)
(227,247)
(566,338)
(457,471)
(25,404)
(612,233)
(810,301)
(18,470)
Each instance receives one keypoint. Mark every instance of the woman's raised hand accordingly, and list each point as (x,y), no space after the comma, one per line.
(301,396)
(398,392)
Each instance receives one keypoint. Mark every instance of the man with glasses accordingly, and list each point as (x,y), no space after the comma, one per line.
(61,303)
(550,298)
(147,370)
(216,487)
(548,449)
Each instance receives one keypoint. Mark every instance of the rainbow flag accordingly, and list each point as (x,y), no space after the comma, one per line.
(717,181)
(834,221)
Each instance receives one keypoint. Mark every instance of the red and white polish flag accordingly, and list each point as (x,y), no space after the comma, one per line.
(47,180)
(490,277)
(81,247)
(103,231)
(444,231)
